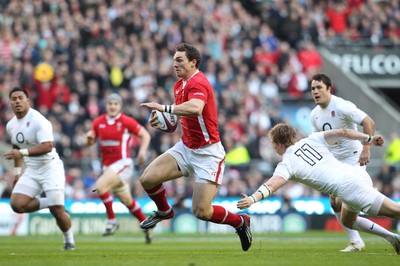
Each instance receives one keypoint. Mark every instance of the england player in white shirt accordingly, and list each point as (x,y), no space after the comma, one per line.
(333,112)
(310,162)
(33,142)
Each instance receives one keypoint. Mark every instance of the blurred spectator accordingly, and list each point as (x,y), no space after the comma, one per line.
(396,187)
(6,183)
(78,190)
(337,13)
(392,153)
(237,155)
(310,59)
(291,27)
(385,178)
(297,85)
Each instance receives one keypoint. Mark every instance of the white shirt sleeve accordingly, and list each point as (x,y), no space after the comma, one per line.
(44,130)
(351,113)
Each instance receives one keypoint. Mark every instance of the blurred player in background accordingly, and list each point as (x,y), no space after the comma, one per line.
(33,142)
(199,153)
(311,162)
(115,130)
(333,112)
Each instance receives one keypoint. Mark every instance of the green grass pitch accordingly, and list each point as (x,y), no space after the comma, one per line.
(310,248)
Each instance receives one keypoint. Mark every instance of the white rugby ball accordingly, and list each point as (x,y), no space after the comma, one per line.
(167,122)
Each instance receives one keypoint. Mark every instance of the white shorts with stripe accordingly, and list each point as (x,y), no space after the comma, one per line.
(123,168)
(205,164)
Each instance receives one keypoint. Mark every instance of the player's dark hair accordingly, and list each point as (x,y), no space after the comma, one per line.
(323,78)
(191,52)
(18,89)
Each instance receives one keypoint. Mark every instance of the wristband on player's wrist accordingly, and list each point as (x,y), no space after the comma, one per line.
(17,170)
(265,191)
(368,140)
(253,198)
(168,109)
(24,152)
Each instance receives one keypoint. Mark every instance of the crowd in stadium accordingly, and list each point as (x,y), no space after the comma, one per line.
(70,54)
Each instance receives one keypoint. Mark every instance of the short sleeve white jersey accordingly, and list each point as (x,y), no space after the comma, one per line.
(310,162)
(339,114)
(29,131)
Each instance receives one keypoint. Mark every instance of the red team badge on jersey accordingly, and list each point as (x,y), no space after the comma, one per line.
(333,114)
(119,126)
(28,123)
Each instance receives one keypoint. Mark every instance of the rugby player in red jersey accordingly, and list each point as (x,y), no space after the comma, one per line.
(199,153)
(115,130)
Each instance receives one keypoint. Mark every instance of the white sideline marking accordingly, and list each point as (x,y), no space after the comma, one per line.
(161,238)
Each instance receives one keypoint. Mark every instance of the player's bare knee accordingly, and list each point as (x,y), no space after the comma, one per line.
(19,204)
(99,187)
(18,208)
(201,213)
(99,191)
(146,182)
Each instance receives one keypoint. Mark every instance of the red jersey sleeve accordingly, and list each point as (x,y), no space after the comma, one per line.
(131,124)
(200,91)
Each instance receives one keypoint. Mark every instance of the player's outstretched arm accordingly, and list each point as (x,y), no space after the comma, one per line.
(334,135)
(153,106)
(263,192)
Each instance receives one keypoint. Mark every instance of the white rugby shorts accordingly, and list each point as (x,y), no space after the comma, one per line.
(205,164)
(49,178)
(358,193)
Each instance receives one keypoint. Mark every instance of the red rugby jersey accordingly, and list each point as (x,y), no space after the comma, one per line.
(200,130)
(114,136)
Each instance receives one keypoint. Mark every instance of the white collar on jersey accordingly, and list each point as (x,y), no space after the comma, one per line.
(111,120)
(185,81)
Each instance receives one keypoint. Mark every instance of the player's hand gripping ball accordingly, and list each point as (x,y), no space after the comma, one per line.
(167,122)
